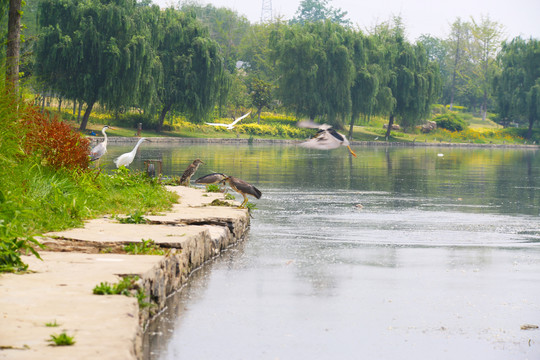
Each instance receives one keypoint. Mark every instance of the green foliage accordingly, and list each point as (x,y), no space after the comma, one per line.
(122,287)
(11,249)
(213,188)
(451,121)
(229,196)
(134,218)
(319,10)
(52,324)
(62,339)
(127,286)
(54,142)
(98,51)
(145,247)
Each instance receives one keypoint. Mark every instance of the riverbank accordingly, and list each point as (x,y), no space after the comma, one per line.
(59,289)
(186,140)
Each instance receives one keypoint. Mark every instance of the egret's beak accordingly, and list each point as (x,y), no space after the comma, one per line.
(350,150)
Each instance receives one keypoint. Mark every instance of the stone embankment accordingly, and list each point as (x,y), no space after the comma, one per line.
(180,140)
(59,289)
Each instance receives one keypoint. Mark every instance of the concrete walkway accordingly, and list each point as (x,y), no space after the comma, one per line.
(59,288)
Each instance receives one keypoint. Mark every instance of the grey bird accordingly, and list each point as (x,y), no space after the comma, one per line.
(243,188)
(100,149)
(326,137)
(214,178)
(191,169)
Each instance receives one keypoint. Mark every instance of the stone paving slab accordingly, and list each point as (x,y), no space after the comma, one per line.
(59,288)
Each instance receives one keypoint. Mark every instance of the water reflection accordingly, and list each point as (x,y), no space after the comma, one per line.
(442,257)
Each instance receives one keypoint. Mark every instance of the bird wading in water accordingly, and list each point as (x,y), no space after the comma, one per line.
(191,169)
(243,188)
(326,138)
(100,149)
(127,158)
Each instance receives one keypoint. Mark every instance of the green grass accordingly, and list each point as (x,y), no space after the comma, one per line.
(52,324)
(126,286)
(145,247)
(62,339)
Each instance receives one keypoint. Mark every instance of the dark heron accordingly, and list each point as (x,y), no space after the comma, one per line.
(213,178)
(243,188)
(191,169)
(100,149)
(326,137)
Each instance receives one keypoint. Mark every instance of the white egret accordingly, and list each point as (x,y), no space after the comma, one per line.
(326,137)
(100,149)
(127,158)
(231,125)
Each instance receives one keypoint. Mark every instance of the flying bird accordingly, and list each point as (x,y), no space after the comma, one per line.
(100,149)
(127,158)
(243,188)
(231,125)
(326,138)
(191,169)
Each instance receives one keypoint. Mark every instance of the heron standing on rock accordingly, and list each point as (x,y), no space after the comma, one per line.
(214,178)
(100,149)
(191,169)
(243,188)
(326,137)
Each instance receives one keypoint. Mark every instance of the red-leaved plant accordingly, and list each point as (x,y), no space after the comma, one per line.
(54,141)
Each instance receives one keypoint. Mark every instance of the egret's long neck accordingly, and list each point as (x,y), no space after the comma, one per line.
(137,146)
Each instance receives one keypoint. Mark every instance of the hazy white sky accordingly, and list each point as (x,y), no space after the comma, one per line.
(520,17)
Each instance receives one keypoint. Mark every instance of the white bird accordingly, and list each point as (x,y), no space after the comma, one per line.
(127,158)
(326,137)
(231,125)
(100,149)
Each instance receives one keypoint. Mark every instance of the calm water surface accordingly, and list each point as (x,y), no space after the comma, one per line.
(441,261)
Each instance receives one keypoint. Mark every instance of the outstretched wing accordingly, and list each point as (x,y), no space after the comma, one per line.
(313,125)
(216,124)
(240,118)
(324,140)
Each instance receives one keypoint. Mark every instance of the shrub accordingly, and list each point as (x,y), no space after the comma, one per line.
(450,121)
(54,142)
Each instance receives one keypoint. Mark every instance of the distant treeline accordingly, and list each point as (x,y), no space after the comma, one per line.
(196,60)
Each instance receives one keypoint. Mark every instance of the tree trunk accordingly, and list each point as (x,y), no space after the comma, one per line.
(86,116)
(351,128)
(13,44)
(161,119)
(259,110)
(389,130)
(79,112)
(484,106)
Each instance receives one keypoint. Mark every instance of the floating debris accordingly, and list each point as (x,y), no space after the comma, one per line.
(529,327)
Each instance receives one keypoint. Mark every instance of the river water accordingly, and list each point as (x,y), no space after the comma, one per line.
(401,253)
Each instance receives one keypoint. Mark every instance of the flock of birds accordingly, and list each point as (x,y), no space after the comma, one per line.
(326,138)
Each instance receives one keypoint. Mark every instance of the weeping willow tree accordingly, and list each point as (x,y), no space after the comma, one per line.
(193,71)
(410,82)
(365,85)
(97,51)
(316,69)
